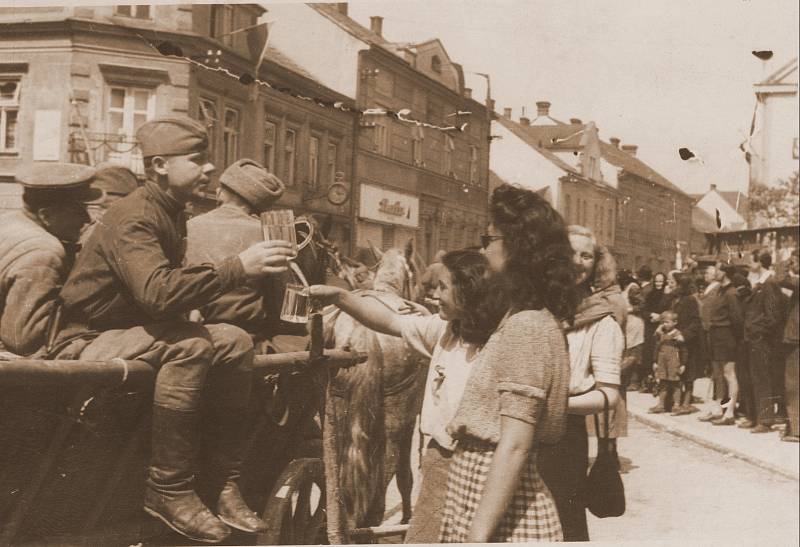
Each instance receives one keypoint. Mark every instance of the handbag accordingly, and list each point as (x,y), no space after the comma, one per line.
(605,493)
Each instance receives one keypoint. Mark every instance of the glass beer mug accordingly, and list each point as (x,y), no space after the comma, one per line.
(280,225)
(295,305)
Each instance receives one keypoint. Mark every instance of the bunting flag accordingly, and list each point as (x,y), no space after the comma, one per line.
(257,42)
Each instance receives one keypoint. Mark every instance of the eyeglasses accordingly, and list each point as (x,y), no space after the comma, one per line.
(487,239)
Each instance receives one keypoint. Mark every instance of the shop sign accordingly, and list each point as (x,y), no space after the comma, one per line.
(388,206)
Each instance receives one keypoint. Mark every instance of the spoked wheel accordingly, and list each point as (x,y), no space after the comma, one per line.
(295,511)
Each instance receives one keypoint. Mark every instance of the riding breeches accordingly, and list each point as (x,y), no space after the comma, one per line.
(194,361)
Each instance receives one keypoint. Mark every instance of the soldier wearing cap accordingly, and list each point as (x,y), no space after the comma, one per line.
(117,181)
(37,247)
(246,190)
(128,297)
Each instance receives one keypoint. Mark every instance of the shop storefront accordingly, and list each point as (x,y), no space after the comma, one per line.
(386,218)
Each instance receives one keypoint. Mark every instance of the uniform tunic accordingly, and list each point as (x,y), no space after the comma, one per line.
(33,265)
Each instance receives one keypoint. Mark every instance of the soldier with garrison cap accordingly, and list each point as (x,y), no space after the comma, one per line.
(37,246)
(128,297)
(245,190)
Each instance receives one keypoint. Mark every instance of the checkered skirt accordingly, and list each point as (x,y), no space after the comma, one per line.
(531,515)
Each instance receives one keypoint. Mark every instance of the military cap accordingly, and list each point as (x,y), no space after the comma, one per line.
(66,181)
(249,180)
(115,180)
(172,137)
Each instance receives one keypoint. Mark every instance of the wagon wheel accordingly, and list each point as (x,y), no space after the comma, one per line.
(295,511)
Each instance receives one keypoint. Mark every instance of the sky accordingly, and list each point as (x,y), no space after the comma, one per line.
(659,74)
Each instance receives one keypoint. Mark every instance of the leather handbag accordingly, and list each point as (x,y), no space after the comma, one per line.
(605,492)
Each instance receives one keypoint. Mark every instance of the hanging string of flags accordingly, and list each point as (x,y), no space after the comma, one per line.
(168,49)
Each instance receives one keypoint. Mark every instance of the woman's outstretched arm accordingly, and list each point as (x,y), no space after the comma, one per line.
(368,311)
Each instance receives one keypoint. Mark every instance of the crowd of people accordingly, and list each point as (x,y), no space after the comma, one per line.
(536,333)
(735,323)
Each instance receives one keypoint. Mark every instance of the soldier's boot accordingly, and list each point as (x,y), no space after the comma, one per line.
(170,494)
(230,428)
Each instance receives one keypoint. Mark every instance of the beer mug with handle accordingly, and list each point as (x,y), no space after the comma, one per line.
(279,224)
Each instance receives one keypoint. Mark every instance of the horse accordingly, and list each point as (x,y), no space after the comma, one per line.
(377,402)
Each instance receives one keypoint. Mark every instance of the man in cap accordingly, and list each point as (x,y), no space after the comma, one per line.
(116,181)
(37,246)
(246,190)
(128,297)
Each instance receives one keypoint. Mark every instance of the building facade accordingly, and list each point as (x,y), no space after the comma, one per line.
(77,83)
(773,149)
(417,174)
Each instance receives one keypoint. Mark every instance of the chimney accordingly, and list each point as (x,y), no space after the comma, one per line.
(376,25)
(524,121)
(342,7)
(542,108)
(467,92)
(614,142)
(507,113)
(630,149)
(575,121)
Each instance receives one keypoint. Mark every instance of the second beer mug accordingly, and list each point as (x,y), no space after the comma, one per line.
(280,225)
(295,304)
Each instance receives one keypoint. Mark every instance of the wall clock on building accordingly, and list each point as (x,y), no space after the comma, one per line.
(337,193)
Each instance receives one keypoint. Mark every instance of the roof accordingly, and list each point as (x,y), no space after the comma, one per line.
(540,138)
(635,166)
(331,11)
(734,198)
(275,56)
(781,74)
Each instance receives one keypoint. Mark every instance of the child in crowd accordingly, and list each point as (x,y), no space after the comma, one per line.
(669,361)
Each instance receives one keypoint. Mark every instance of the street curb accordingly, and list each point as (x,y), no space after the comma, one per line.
(714,446)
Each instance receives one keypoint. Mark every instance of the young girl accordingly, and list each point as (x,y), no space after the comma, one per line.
(452,338)
(669,362)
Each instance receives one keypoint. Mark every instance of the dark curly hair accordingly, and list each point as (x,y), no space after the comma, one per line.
(478,318)
(539,272)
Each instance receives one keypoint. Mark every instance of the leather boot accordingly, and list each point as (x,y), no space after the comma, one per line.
(170,494)
(228,446)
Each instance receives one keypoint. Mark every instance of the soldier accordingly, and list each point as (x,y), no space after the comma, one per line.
(37,248)
(117,182)
(129,296)
(246,189)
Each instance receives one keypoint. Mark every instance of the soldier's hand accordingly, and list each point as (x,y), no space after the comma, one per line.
(267,257)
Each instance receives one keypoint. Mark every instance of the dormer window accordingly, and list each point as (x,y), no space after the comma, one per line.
(436,64)
(137,11)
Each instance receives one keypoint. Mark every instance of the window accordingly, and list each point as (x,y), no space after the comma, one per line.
(567,208)
(333,152)
(610,221)
(381,139)
(585,213)
(230,137)
(417,146)
(601,223)
(289,146)
(473,164)
(207,114)
(313,161)
(449,146)
(270,133)
(9,110)
(128,108)
(387,237)
(139,11)
(220,22)
(436,64)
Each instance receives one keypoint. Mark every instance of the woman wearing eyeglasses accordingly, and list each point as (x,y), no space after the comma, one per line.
(516,396)
(452,338)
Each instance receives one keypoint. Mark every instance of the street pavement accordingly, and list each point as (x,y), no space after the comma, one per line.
(679,491)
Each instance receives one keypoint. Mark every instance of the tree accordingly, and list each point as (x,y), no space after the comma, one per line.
(777,205)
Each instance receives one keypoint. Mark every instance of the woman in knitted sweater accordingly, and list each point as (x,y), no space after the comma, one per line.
(515,398)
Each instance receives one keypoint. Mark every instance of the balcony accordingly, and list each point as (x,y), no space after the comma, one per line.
(93,148)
